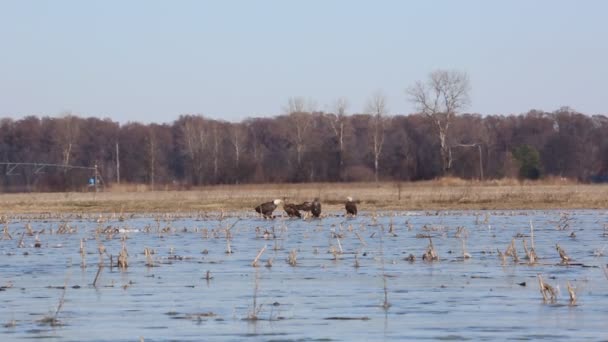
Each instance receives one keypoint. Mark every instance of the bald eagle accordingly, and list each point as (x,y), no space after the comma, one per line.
(350,206)
(292,210)
(267,208)
(315,208)
(305,206)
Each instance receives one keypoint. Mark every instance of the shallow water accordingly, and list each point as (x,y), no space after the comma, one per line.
(324,297)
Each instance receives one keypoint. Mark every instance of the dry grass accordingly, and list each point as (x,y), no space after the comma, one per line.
(447,193)
(547,291)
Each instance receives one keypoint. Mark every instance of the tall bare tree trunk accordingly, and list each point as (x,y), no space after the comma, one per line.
(195,144)
(440,98)
(152,154)
(216,151)
(337,122)
(376,168)
(117,165)
(341,152)
(377,108)
(446,152)
(236,141)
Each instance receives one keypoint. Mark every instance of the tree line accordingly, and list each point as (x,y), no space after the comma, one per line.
(308,145)
(303,147)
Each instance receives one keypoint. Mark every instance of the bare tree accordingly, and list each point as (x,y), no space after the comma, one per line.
(216,149)
(300,117)
(237,138)
(295,104)
(151,140)
(67,134)
(376,107)
(195,142)
(338,122)
(256,145)
(441,97)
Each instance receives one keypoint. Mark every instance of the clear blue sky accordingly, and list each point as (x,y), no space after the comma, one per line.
(151,61)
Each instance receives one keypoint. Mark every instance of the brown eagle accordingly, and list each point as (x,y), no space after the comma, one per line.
(291,209)
(267,208)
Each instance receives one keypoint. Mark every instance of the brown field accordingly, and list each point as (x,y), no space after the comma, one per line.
(433,195)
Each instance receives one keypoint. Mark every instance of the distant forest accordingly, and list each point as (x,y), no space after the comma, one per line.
(302,146)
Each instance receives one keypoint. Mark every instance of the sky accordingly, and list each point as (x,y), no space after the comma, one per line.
(151,61)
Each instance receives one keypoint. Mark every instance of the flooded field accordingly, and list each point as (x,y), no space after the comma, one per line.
(192,277)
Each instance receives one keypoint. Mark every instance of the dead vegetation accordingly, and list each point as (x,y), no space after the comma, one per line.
(148,254)
(512,251)
(430,254)
(571,293)
(257,257)
(254,312)
(52,319)
(565,259)
(547,291)
(530,253)
(123,256)
(292,259)
(345,239)
(431,195)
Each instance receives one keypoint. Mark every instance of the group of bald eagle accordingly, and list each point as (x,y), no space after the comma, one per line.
(293,210)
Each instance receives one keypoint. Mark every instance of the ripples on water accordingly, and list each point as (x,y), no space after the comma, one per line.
(324,297)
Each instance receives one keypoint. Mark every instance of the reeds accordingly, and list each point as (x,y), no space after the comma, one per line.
(28,229)
(255,309)
(83,256)
(430,254)
(360,239)
(292,258)
(547,291)
(53,319)
(571,293)
(148,254)
(65,228)
(255,261)
(99,268)
(565,259)
(530,253)
(512,251)
(385,304)
(564,221)
(228,246)
(123,261)
(339,245)
(502,256)
(532,234)
(6,235)
(21,244)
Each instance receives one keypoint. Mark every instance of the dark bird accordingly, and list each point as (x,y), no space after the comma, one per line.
(267,208)
(350,206)
(292,210)
(305,206)
(315,208)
